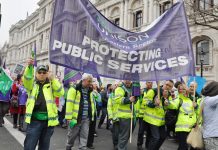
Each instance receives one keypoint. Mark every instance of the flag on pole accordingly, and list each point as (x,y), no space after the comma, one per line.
(5,82)
(34,55)
(71,76)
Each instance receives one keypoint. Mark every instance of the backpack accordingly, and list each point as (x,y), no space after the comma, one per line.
(171,115)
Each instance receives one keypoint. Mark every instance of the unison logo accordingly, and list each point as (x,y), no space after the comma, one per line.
(130,39)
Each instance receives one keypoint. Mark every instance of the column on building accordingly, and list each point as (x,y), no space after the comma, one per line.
(145,19)
(215,50)
(151,10)
(122,14)
(129,16)
(126,14)
(156,10)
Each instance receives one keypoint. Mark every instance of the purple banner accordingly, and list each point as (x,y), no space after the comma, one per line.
(84,40)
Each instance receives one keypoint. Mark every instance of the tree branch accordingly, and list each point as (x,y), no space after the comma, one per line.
(206,25)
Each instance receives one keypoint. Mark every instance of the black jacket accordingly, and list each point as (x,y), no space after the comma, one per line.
(81,105)
(40,104)
(104,98)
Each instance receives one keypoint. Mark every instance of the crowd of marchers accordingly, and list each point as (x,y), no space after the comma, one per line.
(169,111)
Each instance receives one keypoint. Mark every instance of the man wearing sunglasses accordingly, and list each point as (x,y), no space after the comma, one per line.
(41,110)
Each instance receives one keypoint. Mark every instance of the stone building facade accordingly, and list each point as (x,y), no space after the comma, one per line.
(132,15)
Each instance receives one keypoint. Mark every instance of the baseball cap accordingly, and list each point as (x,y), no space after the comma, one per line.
(41,67)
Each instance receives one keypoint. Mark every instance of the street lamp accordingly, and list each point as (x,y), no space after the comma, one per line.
(202,53)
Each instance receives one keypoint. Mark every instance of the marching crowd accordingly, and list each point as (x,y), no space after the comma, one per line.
(170,111)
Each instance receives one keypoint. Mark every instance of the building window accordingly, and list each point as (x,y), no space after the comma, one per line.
(33,28)
(138,18)
(43,15)
(41,41)
(203,4)
(165,6)
(202,51)
(117,21)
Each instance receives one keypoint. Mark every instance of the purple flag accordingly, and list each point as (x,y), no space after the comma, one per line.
(22,95)
(84,40)
(136,89)
(71,76)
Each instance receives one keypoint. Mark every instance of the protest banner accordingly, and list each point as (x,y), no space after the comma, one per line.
(84,40)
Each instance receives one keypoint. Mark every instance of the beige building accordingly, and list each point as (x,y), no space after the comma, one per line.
(3,53)
(33,32)
(133,15)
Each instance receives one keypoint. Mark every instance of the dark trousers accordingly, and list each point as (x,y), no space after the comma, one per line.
(38,132)
(4,107)
(21,120)
(15,117)
(92,131)
(61,115)
(98,110)
(182,136)
(103,115)
(142,127)
(157,137)
(170,129)
(124,131)
(115,133)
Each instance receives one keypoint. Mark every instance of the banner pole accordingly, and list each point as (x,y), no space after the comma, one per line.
(130,139)
(158,89)
(194,89)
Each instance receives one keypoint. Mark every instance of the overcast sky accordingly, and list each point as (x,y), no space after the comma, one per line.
(12,11)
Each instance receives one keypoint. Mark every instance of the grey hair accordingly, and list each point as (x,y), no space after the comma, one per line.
(86,76)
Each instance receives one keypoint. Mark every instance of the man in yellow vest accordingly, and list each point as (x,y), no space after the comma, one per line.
(80,109)
(41,110)
(124,99)
(154,115)
(112,108)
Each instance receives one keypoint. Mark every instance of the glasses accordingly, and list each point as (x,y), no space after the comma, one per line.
(42,72)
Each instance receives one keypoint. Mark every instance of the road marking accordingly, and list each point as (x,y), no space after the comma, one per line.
(14,132)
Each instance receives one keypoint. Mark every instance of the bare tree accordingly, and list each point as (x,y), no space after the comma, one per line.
(202,12)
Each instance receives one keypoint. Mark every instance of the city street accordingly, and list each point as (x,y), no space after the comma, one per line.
(102,142)
(156,59)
